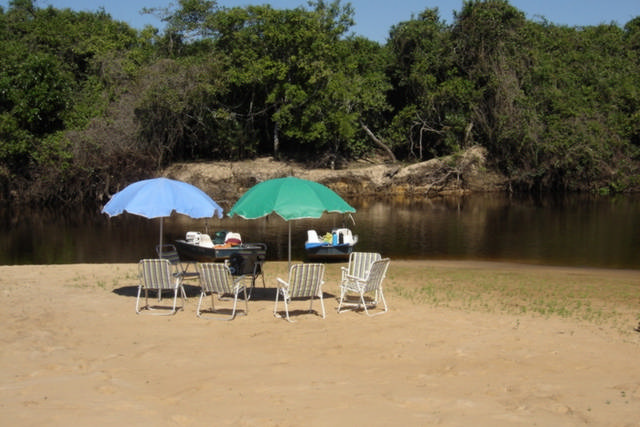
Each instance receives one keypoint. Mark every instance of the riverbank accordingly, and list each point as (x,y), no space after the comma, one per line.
(464,343)
(465,173)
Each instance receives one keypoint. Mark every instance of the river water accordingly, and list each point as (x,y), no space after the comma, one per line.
(584,231)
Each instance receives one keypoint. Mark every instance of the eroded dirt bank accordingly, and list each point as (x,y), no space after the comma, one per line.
(459,174)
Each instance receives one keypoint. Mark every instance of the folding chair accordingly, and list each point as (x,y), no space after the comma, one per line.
(216,278)
(156,275)
(359,264)
(169,252)
(305,282)
(371,284)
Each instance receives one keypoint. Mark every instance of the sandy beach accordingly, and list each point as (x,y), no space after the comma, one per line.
(74,352)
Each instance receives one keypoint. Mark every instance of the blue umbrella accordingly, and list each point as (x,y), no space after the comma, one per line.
(159,198)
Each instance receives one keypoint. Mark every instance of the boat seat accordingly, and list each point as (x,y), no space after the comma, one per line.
(193,237)
(233,238)
(205,241)
(347,237)
(312,237)
(219,236)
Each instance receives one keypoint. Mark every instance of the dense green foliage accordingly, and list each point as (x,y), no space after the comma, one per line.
(88,104)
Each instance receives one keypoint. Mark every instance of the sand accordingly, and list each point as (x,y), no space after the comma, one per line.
(75,353)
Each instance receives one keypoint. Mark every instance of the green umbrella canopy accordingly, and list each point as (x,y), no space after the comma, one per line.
(291,198)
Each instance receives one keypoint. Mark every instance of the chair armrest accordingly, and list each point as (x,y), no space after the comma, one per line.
(283,283)
(178,281)
(352,283)
(353,278)
(238,282)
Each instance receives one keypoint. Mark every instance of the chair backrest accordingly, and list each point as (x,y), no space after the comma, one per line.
(156,274)
(377,274)
(360,263)
(168,252)
(305,280)
(246,262)
(215,277)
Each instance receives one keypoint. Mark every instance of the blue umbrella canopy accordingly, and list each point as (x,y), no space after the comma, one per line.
(159,198)
(291,198)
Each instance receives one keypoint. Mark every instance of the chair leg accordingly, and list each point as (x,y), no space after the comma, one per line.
(350,305)
(175,300)
(139,309)
(275,306)
(138,299)
(286,308)
(286,305)
(379,295)
(384,302)
(213,309)
(342,292)
(286,300)
(202,295)
(235,304)
(322,305)
(246,302)
(364,304)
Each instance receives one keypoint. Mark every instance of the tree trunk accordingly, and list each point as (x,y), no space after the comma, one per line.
(379,142)
(276,142)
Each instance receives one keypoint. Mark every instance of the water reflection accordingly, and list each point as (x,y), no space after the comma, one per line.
(572,230)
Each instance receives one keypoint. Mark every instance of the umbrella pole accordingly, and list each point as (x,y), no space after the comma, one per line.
(160,250)
(160,256)
(289,267)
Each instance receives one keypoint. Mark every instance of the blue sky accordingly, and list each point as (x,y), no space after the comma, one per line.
(374,18)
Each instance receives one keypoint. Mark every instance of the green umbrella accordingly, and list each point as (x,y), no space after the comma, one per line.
(291,198)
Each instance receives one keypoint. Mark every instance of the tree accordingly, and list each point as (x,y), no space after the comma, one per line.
(493,53)
(56,77)
(280,62)
(431,97)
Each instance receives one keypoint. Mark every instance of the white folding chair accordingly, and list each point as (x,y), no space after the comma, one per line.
(216,279)
(305,282)
(371,284)
(157,275)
